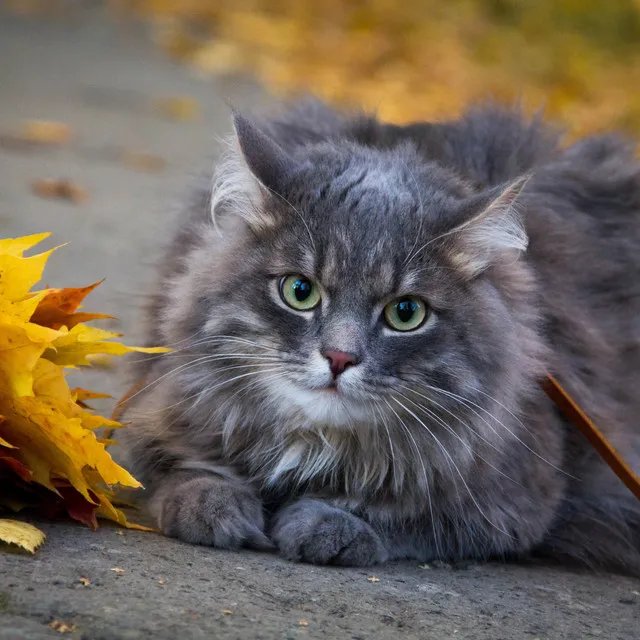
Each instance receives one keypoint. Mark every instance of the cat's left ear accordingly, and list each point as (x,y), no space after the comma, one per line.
(492,228)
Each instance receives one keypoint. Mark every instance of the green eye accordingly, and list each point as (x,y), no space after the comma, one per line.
(406,314)
(299,292)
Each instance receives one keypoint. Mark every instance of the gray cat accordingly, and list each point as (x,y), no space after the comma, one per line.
(361,315)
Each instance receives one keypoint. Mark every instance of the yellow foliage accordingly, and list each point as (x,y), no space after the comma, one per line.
(48,446)
(422,58)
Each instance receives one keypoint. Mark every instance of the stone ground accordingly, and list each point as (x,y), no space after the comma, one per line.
(100,77)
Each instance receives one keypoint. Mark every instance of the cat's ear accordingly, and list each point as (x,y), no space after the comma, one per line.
(269,163)
(253,166)
(492,228)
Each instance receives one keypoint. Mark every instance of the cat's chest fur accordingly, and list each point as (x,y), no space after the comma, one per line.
(353,466)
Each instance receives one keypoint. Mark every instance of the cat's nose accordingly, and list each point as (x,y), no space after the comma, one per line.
(339,360)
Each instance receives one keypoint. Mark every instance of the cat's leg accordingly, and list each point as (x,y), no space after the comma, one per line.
(314,531)
(210,510)
(191,490)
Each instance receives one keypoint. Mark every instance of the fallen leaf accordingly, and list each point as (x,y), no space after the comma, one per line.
(373,579)
(57,307)
(62,627)
(303,623)
(141,161)
(46,132)
(180,108)
(227,612)
(160,581)
(118,571)
(119,533)
(22,534)
(61,189)
(19,143)
(51,458)
(85,582)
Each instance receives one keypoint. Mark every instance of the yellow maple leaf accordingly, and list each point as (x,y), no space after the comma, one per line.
(47,434)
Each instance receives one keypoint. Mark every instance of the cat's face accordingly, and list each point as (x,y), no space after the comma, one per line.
(358,285)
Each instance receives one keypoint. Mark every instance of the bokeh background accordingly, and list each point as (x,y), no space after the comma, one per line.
(580,59)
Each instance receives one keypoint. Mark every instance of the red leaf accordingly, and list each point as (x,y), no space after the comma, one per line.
(76,505)
(7,462)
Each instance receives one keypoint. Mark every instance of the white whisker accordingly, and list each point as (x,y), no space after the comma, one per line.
(436,538)
(446,453)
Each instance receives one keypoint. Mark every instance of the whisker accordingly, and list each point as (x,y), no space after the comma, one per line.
(470,403)
(446,453)
(456,417)
(208,390)
(200,360)
(452,431)
(436,538)
(209,340)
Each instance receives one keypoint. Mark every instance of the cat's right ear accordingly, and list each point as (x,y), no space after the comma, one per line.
(269,163)
(255,166)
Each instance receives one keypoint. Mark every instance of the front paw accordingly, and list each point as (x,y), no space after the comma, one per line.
(313,531)
(212,511)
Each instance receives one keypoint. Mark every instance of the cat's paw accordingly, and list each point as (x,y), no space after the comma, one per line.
(313,531)
(212,511)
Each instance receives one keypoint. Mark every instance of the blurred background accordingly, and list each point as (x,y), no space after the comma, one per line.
(579,59)
(420,58)
(108,106)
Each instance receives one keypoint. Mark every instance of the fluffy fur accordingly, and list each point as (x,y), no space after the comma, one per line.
(439,443)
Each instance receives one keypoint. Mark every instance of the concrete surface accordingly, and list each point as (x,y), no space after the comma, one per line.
(99,78)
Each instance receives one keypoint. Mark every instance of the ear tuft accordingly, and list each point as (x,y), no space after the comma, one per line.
(497,230)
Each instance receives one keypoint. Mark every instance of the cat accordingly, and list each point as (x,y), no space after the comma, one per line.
(361,314)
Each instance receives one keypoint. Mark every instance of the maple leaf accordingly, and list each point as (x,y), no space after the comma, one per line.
(57,308)
(22,534)
(50,455)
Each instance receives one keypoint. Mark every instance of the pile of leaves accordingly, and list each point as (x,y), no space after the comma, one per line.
(421,58)
(51,457)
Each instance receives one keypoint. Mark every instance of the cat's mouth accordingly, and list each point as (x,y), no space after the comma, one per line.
(332,403)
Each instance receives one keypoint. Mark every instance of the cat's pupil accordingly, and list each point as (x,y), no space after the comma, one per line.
(405,310)
(301,290)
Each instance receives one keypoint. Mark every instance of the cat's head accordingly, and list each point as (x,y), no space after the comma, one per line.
(339,282)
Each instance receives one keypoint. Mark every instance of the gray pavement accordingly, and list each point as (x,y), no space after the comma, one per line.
(100,77)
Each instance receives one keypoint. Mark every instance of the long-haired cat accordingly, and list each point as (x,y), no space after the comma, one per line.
(361,315)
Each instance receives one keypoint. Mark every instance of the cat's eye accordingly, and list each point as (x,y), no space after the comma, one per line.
(299,292)
(406,314)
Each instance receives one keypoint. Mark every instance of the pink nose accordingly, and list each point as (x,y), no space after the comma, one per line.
(339,361)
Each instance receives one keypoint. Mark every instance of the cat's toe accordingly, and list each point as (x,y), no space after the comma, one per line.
(212,511)
(312,531)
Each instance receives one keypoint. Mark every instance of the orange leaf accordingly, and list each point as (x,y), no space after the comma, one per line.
(57,307)
(85,394)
